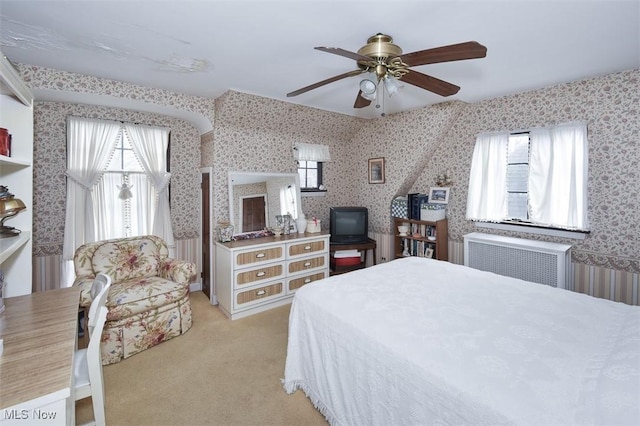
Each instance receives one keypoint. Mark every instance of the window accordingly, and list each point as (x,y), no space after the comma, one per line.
(100,161)
(310,173)
(537,177)
(517,177)
(124,172)
(310,158)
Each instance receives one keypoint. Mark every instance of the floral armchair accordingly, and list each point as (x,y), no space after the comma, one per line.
(148,300)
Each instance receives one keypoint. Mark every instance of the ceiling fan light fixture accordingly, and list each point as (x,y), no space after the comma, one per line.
(368,87)
(369,96)
(391,84)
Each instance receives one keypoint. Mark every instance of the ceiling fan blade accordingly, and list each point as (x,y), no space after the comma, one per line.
(429,83)
(360,101)
(345,53)
(453,52)
(323,82)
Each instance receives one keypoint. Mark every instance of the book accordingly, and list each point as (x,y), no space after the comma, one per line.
(346,253)
(417,200)
(410,198)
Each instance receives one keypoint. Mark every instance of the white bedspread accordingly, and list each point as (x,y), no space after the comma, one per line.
(418,341)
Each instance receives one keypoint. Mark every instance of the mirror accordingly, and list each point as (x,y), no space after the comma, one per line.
(256,198)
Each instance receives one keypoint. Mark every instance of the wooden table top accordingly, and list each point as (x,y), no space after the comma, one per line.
(39,332)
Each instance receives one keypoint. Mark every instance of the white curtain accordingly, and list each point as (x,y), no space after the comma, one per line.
(150,145)
(90,144)
(311,152)
(110,211)
(108,215)
(558,168)
(143,204)
(487,196)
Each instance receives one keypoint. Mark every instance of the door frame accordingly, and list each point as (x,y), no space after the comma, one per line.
(212,291)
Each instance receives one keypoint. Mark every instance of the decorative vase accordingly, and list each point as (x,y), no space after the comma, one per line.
(284,221)
(301,223)
(403,230)
(224,232)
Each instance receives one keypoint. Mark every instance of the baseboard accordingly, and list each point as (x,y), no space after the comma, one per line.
(195,287)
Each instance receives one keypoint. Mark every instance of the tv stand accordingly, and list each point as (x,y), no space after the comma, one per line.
(365,247)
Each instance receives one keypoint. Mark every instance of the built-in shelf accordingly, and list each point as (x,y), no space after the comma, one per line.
(16,173)
(10,161)
(10,245)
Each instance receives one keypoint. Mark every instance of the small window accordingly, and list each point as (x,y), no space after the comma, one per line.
(310,173)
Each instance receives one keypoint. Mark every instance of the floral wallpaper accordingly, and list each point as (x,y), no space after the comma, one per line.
(251,133)
(50,146)
(257,134)
(609,105)
(49,160)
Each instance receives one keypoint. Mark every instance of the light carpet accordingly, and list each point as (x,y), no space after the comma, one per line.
(221,372)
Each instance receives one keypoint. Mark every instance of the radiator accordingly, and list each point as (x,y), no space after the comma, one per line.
(384,248)
(537,261)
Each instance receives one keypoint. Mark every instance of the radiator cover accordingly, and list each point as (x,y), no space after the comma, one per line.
(537,261)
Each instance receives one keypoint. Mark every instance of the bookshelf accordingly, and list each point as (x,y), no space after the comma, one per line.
(422,237)
(16,172)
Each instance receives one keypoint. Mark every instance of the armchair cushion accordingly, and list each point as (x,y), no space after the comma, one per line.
(127,260)
(148,299)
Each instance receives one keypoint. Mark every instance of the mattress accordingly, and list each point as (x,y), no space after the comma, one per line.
(420,341)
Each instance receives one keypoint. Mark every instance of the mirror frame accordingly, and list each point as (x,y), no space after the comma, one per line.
(259,177)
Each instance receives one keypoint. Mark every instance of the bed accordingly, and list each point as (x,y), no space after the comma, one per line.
(419,341)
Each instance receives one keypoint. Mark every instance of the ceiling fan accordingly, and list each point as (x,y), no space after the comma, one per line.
(387,65)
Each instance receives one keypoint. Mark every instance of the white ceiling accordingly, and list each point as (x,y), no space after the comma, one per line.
(265,48)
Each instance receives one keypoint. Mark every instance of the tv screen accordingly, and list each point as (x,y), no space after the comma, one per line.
(349,225)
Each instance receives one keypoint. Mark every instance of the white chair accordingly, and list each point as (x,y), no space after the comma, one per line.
(87,369)
(99,296)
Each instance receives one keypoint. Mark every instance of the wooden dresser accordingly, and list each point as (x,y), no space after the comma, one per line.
(254,275)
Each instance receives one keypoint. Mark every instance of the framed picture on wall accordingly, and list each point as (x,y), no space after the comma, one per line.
(376,170)
(439,195)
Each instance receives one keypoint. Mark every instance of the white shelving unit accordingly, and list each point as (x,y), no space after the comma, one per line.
(16,173)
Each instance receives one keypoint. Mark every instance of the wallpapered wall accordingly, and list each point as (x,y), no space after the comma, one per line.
(49,160)
(610,106)
(257,134)
(49,155)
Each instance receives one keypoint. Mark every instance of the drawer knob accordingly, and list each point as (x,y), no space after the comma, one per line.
(261,274)
(307,281)
(307,247)
(260,255)
(261,293)
(307,264)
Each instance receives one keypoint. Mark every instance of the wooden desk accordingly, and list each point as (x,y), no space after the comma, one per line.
(36,368)
(369,245)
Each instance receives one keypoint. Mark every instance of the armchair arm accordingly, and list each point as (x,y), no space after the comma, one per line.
(85,284)
(179,271)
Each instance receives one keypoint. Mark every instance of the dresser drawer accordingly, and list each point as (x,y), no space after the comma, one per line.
(295,283)
(249,257)
(308,263)
(303,249)
(253,276)
(244,298)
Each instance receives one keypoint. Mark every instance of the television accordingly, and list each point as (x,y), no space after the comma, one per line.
(349,225)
